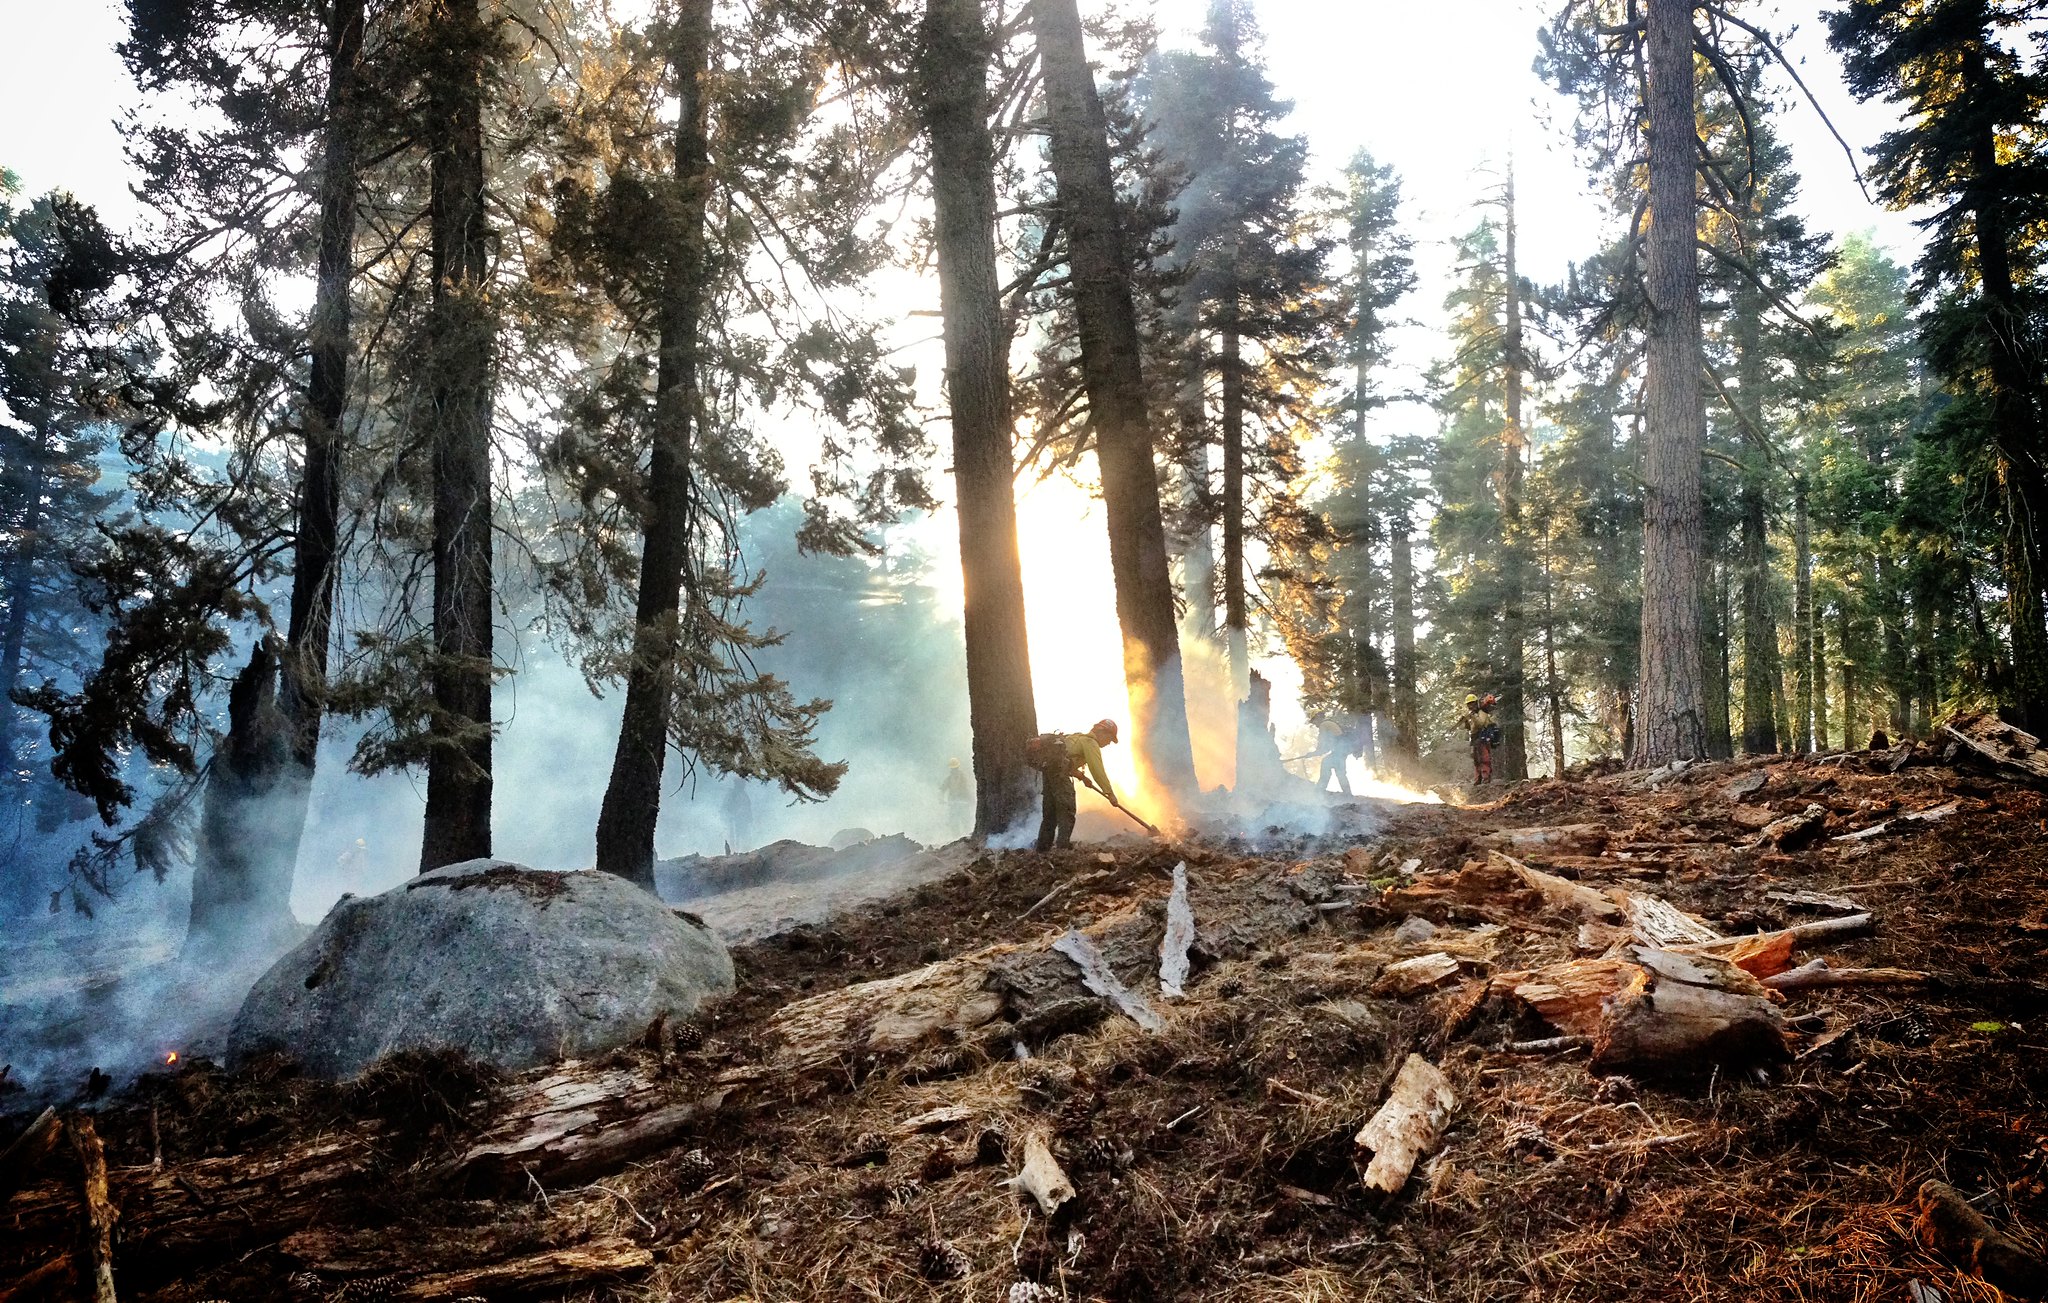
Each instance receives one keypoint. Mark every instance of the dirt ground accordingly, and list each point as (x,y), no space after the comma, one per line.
(1215,1159)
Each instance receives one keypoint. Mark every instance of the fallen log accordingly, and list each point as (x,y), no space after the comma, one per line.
(1948,1225)
(1999,744)
(1568,996)
(555,1272)
(1408,1125)
(96,1244)
(1680,1014)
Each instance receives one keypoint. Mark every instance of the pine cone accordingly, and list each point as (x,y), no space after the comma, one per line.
(1074,1113)
(1103,1154)
(1030,1291)
(693,1171)
(370,1289)
(905,1192)
(304,1284)
(1615,1090)
(689,1038)
(1910,1029)
(939,1259)
(868,1146)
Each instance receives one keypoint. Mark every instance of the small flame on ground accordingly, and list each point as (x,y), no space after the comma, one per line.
(170,1058)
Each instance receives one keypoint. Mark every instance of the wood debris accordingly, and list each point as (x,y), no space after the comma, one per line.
(1097,976)
(1999,744)
(1179,935)
(1412,976)
(1682,1014)
(1041,1176)
(1408,1125)
(1948,1225)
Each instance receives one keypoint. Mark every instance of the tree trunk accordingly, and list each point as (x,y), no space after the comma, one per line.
(1401,565)
(1113,373)
(1514,749)
(458,822)
(1669,716)
(1719,682)
(1198,550)
(1759,626)
(256,799)
(1553,688)
(1820,683)
(2015,419)
(954,84)
(21,577)
(1851,717)
(1759,629)
(255,802)
(1236,617)
(632,799)
(1802,620)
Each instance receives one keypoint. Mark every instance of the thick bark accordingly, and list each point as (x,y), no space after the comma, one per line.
(257,797)
(954,95)
(632,799)
(1670,713)
(460,344)
(2015,418)
(1802,620)
(1401,567)
(1112,372)
(1512,760)
(1236,615)
(21,577)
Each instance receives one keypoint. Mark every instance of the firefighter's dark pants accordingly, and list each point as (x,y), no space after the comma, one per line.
(1056,822)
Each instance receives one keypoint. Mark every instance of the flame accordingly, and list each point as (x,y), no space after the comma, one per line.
(170,1058)
(1077,660)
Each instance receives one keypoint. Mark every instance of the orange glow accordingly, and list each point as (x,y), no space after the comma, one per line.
(1077,660)
(170,1058)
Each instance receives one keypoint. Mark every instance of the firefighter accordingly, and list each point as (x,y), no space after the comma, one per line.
(958,790)
(1483,732)
(1060,758)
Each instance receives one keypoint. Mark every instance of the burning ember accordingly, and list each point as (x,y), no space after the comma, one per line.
(170,1058)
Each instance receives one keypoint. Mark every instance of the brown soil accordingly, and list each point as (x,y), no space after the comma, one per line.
(1215,1160)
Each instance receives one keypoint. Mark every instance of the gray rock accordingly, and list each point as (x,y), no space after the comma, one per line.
(516,966)
(1414,930)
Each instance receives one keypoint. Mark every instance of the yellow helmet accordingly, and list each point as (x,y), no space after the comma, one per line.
(1471,698)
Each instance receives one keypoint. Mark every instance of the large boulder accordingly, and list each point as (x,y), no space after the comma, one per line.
(515,966)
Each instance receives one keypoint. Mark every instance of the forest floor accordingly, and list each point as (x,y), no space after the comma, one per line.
(847,1125)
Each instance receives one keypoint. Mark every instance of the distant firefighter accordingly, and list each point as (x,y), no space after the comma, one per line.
(958,789)
(1061,758)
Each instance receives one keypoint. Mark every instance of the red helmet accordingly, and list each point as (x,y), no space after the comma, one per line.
(1104,730)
